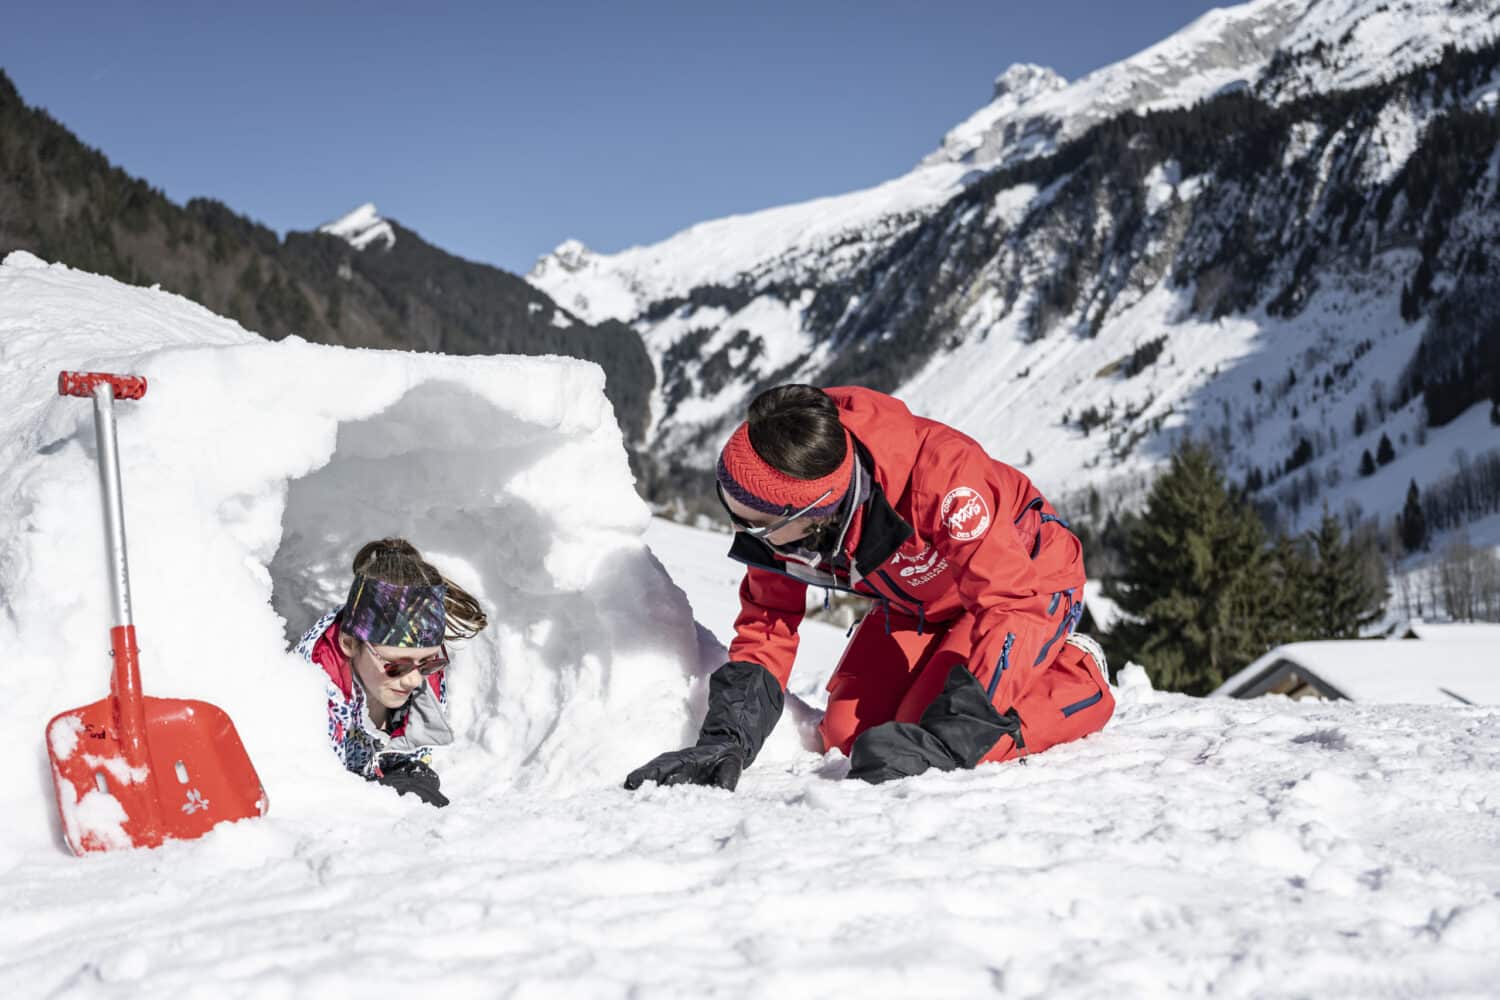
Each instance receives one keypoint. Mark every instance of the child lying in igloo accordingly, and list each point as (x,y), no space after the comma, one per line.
(384,653)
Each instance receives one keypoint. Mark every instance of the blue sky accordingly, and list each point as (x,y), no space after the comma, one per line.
(497,131)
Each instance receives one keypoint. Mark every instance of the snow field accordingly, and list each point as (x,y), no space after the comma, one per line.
(1240,849)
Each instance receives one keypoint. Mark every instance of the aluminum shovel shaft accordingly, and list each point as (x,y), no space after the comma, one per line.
(114,506)
(125,681)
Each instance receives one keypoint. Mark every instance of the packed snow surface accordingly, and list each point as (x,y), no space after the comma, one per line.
(1263,848)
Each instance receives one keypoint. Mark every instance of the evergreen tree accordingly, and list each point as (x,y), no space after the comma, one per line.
(1196,579)
(1302,454)
(1366,464)
(1384,454)
(1421,283)
(1344,586)
(1409,310)
(1413,522)
(1292,596)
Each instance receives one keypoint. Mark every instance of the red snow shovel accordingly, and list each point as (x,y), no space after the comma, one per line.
(132,771)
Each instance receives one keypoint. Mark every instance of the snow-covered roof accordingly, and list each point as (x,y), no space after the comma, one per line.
(1454,631)
(1455,671)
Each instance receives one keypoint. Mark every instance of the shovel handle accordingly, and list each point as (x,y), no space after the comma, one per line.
(129,703)
(83,383)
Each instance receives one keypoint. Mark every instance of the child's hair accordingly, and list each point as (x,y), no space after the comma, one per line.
(396,561)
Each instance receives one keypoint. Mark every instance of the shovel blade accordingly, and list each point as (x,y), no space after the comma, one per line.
(195,775)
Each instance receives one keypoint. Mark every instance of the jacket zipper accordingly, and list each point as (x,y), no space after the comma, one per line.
(1002,666)
(910,600)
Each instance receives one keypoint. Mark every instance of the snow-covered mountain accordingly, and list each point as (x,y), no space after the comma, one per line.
(1194,846)
(1277,49)
(1212,236)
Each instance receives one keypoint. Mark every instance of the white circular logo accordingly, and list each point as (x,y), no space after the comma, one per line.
(965,514)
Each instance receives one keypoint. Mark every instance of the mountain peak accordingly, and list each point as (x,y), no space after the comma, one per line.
(1023,81)
(361,227)
(570,256)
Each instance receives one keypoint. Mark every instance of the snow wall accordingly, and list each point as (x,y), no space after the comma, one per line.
(252,472)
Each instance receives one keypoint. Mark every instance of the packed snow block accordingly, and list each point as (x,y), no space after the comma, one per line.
(253,471)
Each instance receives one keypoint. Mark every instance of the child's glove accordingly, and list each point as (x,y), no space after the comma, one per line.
(408,775)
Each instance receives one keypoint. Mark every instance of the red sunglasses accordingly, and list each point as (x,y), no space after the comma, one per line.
(428,665)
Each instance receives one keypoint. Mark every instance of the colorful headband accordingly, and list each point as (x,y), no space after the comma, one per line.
(385,614)
(762,487)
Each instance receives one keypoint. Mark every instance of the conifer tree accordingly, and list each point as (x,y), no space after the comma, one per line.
(1409,310)
(1384,453)
(1366,464)
(1196,579)
(1344,588)
(1413,522)
(1292,596)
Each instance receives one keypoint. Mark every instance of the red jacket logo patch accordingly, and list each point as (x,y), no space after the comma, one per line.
(965,514)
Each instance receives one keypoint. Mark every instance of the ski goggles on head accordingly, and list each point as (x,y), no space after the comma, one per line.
(788,515)
(396,667)
(388,614)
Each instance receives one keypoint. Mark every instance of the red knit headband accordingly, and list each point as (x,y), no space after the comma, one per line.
(762,487)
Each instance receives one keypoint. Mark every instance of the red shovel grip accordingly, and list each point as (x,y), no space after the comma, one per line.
(83,384)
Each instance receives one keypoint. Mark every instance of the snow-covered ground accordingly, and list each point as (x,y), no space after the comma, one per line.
(1193,847)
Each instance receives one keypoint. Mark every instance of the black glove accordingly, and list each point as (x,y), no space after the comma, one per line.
(411,776)
(717,764)
(744,704)
(956,731)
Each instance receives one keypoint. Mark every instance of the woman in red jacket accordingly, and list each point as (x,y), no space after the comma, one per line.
(970,655)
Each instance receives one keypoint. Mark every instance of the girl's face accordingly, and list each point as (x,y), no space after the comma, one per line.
(391,692)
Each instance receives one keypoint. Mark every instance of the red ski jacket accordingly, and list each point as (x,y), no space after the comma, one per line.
(945,530)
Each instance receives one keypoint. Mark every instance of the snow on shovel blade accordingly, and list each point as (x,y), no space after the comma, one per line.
(196,775)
